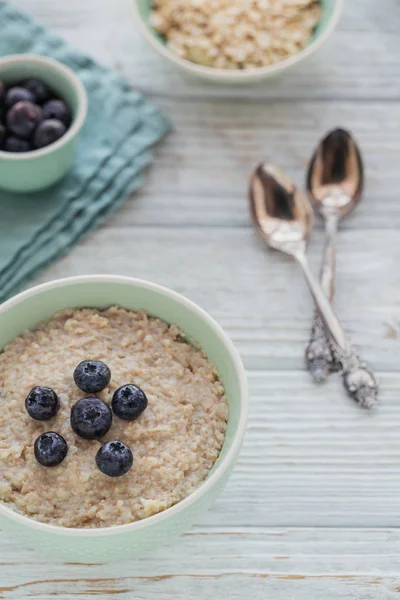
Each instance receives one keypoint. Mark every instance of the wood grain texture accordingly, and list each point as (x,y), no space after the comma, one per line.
(312,509)
(277,563)
(204,165)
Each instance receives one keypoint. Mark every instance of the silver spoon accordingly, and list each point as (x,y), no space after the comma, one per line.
(335,182)
(283,217)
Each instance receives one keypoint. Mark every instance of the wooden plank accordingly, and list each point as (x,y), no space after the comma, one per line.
(367,33)
(311,458)
(300,563)
(257,295)
(201,171)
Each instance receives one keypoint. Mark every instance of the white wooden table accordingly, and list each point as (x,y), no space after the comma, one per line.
(313,508)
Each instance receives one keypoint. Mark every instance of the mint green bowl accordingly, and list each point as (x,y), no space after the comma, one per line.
(331,11)
(39,169)
(29,308)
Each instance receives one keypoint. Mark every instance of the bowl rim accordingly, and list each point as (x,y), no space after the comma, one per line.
(237,74)
(221,468)
(82,104)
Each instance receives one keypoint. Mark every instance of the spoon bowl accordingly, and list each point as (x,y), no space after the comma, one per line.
(335,178)
(281,214)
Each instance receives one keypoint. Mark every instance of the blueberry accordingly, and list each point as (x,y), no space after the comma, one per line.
(114,458)
(92,376)
(91,418)
(57,109)
(39,90)
(48,132)
(2,135)
(129,402)
(42,403)
(14,144)
(18,94)
(50,449)
(23,118)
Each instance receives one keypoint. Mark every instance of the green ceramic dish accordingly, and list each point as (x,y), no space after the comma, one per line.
(331,10)
(36,170)
(26,310)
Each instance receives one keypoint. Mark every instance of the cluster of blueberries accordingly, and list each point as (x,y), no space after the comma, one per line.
(31,116)
(91,418)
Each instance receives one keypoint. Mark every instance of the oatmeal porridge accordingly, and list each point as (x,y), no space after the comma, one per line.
(174,442)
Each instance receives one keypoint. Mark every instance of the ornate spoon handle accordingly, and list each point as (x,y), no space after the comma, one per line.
(358,379)
(320,358)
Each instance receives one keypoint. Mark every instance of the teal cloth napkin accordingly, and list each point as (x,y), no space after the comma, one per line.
(113,151)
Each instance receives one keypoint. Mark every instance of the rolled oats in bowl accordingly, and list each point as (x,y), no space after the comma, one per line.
(235,34)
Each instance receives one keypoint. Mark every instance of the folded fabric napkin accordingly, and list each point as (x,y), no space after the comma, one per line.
(113,150)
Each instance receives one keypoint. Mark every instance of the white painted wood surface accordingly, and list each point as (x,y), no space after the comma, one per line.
(313,507)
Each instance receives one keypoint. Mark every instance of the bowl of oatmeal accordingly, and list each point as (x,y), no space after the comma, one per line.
(237,41)
(181,440)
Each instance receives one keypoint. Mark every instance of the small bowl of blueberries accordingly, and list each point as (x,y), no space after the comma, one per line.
(43,107)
